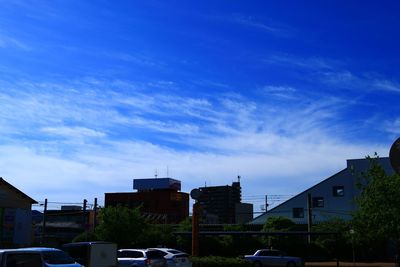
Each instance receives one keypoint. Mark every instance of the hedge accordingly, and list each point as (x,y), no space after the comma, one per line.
(214,261)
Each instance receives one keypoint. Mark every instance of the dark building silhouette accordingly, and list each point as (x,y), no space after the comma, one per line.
(63,225)
(159,199)
(222,204)
(15,216)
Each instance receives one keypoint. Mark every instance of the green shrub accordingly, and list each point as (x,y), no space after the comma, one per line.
(86,236)
(213,261)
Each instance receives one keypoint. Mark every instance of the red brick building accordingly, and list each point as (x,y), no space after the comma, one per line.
(159,198)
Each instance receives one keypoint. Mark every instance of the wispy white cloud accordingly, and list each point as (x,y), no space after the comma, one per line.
(387,85)
(252,22)
(138,59)
(11,42)
(305,63)
(222,135)
(334,73)
(73,132)
(284,92)
(393,127)
(363,82)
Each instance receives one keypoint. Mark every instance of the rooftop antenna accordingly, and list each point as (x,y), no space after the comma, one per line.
(239,178)
(155,173)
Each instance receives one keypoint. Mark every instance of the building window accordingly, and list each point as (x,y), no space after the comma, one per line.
(318,202)
(338,191)
(298,213)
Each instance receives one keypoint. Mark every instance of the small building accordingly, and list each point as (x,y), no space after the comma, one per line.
(159,200)
(63,225)
(15,216)
(331,198)
(222,204)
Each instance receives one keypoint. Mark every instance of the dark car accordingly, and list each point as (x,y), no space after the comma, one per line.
(36,257)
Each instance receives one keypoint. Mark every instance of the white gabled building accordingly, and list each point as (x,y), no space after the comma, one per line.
(332,198)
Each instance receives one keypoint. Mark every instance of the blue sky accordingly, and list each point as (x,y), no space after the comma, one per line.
(96,93)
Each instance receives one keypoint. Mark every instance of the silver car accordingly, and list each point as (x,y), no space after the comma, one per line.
(273,257)
(141,258)
(175,258)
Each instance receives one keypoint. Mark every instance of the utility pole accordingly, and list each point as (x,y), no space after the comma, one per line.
(84,214)
(95,213)
(309,216)
(195,229)
(44,221)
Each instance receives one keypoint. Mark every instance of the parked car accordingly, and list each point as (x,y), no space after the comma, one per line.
(36,257)
(141,258)
(175,258)
(93,254)
(273,257)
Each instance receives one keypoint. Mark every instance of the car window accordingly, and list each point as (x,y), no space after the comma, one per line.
(274,253)
(57,257)
(78,253)
(154,254)
(130,254)
(174,251)
(269,253)
(263,253)
(163,253)
(24,260)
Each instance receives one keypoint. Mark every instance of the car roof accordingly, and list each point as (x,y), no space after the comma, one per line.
(137,249)
(32,249)
(86,243)
(133,249)
(38,249)
(169,250)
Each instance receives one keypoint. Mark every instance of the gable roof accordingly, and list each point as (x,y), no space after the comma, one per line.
(308,189)
(16,190)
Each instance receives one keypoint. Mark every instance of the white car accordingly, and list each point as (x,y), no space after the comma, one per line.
(141,258)
(175,258)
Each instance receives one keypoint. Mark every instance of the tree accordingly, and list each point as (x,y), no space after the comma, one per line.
(334,245)
(121,225)
(280,224)
(378,214)
(158,235)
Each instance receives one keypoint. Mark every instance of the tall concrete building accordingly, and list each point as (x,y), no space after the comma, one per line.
(222,204)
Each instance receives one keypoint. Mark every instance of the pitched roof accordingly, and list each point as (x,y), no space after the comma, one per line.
(19,192)
(308,189)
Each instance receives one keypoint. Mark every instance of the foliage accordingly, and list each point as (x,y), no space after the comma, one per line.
(157,236)
(283,242)
(121,225)
(278,224)
(240,244)
(86,236)
(213,261)
(185,242)
(378,213)
(334,245)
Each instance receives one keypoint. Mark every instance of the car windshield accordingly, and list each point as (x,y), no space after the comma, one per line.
(174,251)
(57,257)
